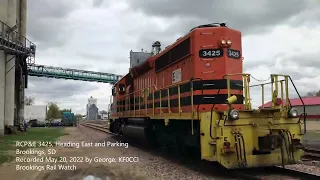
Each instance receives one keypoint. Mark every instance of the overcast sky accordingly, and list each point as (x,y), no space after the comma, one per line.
(279,36)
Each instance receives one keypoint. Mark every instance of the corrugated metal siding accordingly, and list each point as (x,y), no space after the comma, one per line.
(310,110)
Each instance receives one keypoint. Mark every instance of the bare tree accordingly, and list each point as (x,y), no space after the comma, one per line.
(28,101)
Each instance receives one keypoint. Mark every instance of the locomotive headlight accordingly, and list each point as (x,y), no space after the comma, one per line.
(234,114)
(229,42)
(293,113)
(223,42)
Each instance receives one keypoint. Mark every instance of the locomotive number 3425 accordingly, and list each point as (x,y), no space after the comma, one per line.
(210,53)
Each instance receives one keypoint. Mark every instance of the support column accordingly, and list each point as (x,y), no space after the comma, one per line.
(23,32)
(3,18)
(10,69)
(23,18)
(21,112)
(9,90)
(2,91)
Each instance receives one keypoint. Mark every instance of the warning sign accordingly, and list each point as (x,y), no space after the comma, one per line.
(176,76)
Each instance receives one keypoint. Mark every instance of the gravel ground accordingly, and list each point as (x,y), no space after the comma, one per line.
(149,167)
(168,169)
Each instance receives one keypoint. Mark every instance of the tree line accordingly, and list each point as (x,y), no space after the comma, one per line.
(313,93)
(53,110)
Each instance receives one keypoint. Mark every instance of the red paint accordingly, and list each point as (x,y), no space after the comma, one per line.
(144,75)
(313,116)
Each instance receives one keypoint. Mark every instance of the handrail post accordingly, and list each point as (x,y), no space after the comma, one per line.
(276,85)
(192,110)
(287,91)
(179,102)
(262,97)
(134,104)
(281,87)
(160,103)
(146,101)
(274,80)
(272,101)
(139,104)
(249,95)
(130,104)
(169,111)
(245,87)
(153,101)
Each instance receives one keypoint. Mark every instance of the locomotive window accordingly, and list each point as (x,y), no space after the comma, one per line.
(235,54)
(210,53)
(122,88)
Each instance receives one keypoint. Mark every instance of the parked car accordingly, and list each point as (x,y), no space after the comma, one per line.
(55,123)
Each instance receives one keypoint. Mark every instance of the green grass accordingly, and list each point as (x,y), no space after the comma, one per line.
(8,143)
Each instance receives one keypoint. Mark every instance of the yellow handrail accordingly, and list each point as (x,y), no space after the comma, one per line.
(169,101)
(246,92)
(154,88)
(274,89)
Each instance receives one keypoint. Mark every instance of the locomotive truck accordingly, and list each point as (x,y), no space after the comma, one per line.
(194,94)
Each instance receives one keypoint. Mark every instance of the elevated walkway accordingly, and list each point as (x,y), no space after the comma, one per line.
(13,43)
(74,74)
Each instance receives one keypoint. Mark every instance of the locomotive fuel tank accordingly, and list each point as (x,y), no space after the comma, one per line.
(134,132)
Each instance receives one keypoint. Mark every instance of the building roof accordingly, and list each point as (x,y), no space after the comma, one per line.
(308,101)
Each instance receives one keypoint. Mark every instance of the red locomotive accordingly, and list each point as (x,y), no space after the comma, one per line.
(205,55)
(177,85)
(177,99)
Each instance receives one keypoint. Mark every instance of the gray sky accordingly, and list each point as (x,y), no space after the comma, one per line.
(278,37)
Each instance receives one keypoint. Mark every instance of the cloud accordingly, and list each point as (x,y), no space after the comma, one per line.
(47,25)
(278,37)
(97,3)
(249,16)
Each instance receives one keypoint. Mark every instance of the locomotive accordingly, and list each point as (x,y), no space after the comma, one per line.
(194,95)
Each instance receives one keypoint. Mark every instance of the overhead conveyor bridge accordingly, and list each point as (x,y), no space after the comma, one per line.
(74,74)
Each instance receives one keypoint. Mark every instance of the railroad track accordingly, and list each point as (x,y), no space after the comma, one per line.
(247,174)
(312,154)
(100,127)
(275,171)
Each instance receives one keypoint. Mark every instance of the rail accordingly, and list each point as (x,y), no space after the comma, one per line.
(95,126)
(311,154)
(270,172)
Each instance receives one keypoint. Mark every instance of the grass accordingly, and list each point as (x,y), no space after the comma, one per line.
(7,143)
